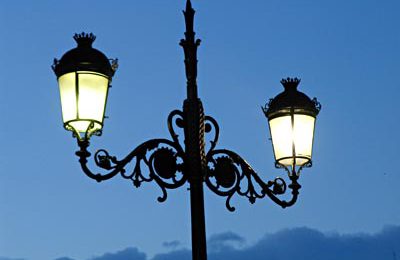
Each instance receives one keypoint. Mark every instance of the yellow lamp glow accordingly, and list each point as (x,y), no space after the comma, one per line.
(84,75)
(292,139)
(291,117)
(83,99)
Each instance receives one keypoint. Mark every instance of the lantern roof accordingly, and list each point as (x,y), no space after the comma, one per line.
(291,99)
(84,58)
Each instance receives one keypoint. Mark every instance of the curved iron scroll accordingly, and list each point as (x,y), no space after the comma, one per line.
(162,157)
(229,174)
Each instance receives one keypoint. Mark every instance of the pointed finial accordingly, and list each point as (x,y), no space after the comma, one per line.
(189,9)
(84,39)
(188,5)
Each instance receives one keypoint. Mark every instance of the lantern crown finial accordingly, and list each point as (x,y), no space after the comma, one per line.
(290,99)
(84,39)
(84,58)
(290,83)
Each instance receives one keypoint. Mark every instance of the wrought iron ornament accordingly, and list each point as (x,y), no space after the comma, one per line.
(163,159)
(226,173)
(171,163)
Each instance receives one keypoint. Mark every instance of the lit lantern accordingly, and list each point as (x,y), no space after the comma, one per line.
(84,75)
(291,117)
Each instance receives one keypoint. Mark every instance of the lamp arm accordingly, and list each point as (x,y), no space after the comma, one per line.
(294,186)
(229,174)
(163,159)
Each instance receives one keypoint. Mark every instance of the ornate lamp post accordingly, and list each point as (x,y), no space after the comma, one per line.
(84,75)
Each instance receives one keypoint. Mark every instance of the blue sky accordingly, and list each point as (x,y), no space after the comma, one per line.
(346,53)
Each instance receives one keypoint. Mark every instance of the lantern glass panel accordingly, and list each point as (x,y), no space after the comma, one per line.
(67,87)
(83,99)
(292,141)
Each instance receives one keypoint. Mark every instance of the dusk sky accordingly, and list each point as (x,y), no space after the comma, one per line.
(347,55)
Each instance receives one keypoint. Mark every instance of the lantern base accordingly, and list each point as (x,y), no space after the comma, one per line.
(84,129)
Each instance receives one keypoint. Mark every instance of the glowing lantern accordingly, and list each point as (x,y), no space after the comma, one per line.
(291,117)
(84,75)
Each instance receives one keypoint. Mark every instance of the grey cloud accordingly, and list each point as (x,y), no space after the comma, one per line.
(305,244)
(183,254)
(216,243)
(172,244)
(129,253)
(298,243)
(225,241)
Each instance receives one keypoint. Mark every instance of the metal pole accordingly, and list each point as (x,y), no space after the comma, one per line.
(195,163)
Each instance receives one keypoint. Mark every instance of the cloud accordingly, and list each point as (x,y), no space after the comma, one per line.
(171,244)
(129,253)
(297,243)
(224,241)
(216,243)
(182,254)
(306,243)
(300,244)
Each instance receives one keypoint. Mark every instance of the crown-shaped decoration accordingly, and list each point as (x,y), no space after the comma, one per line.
(290,83)
(84,39)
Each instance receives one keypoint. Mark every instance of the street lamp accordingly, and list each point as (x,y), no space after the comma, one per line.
(84,75)
(291,116)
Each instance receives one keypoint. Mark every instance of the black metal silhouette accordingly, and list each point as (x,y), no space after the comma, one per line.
(171,164)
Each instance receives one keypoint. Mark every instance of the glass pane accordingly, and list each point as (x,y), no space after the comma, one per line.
(82,126)
(92,96)
(66,84)
(282,136)
(303,136)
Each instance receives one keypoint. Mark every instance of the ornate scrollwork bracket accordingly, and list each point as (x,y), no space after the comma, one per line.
(229,174)
(163,159)
(226,173)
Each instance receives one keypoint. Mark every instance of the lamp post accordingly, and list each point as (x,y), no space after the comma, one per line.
(84,76)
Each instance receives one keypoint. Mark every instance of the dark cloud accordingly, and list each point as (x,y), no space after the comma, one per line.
(172,244)
(301,244)
(224,241)
(289,244)
(216,243)
(305,244)
(182,254)
(129,253)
